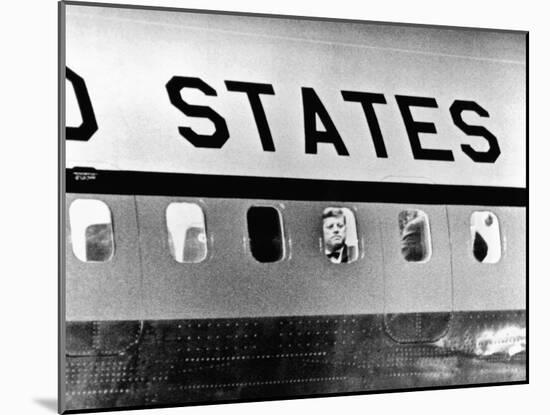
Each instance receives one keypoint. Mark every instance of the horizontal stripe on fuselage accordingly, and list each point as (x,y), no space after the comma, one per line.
(194,185)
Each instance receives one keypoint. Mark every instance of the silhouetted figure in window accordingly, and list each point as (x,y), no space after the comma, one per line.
(413,235)
(264,230)
(480,247)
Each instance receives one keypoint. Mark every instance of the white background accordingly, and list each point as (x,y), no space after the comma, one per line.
(28,140)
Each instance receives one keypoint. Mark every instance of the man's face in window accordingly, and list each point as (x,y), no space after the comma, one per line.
(334,232)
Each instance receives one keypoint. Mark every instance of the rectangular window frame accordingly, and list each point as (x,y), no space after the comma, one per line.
(209,239)
(500,238)
(285,245)
(112,231)
(360,243)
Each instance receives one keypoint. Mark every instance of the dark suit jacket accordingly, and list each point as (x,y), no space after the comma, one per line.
(413,240)
(344,257)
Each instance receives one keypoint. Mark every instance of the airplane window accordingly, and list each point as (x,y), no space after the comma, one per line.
(414,229)
(91,230)
(340,235)
(265,233)
(485,232)
(186,232)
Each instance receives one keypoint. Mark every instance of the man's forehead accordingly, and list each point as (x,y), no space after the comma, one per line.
(334,219)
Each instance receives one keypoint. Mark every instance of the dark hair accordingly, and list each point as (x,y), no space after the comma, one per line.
(334,213)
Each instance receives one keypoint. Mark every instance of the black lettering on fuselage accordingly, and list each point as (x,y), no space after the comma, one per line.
(367,99)
(89,124)
(493,152)
(253,92)
(415,127)
(221,133)
(312,107)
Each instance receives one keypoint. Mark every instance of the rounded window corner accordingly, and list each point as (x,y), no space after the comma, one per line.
(91,231)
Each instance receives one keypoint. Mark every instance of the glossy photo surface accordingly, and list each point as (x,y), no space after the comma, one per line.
(270,207)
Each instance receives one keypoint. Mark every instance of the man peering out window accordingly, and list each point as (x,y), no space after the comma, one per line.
(339,235)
